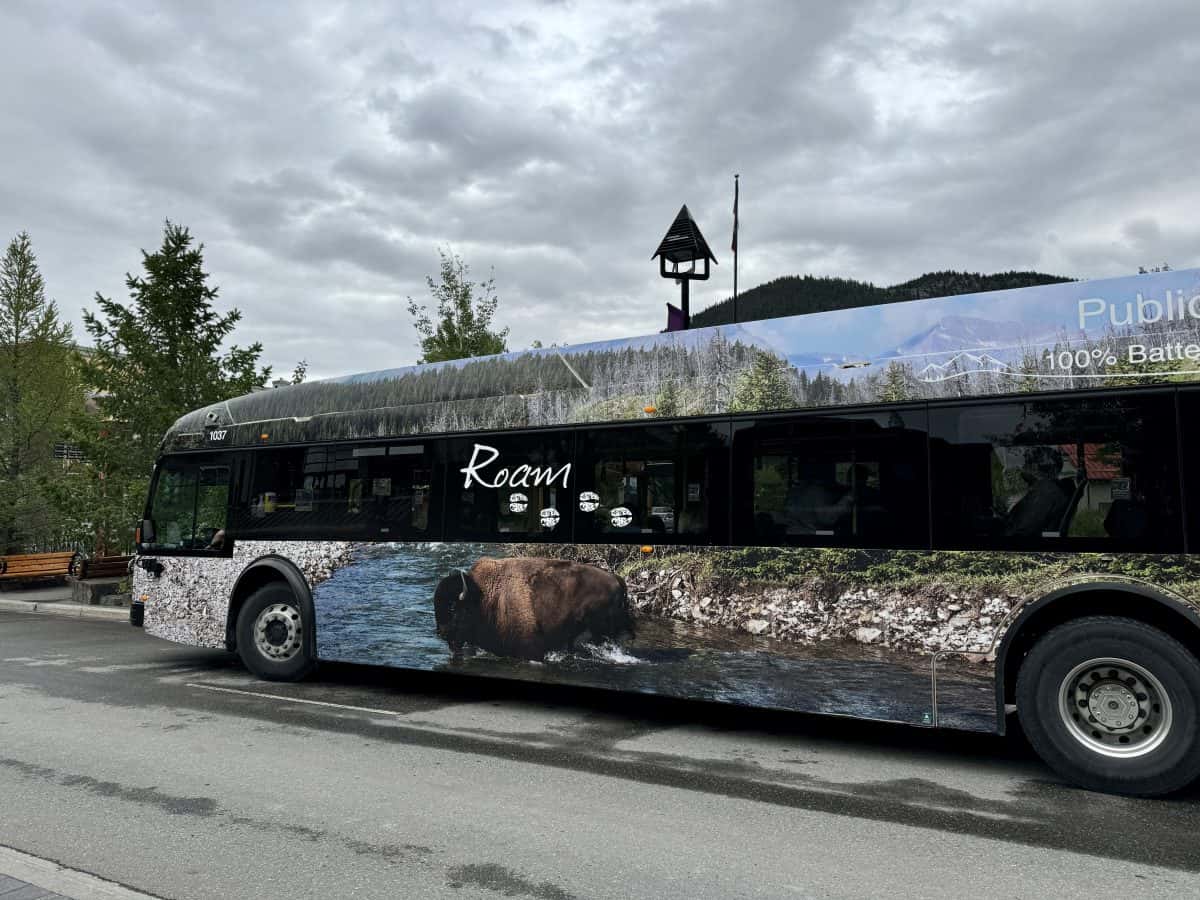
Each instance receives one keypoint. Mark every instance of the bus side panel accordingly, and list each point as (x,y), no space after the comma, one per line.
(855,634)
(189,601)
(846,637)
(708,623)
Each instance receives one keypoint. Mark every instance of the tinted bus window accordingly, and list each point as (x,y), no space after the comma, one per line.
(853,480)
(1189,424)
(346,491)
(509,488)
(1091,473)
(664,483)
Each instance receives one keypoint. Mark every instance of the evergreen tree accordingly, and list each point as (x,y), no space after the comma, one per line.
(465,310)
(162,355)
(804,386)
(155,359)
(668,402)
(793,295)
(39,387)
(764,386)
(819,390)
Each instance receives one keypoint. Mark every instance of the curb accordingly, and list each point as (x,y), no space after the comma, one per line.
(73,610)
(64,882)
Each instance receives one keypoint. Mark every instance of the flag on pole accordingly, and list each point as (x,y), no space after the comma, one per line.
(735,213)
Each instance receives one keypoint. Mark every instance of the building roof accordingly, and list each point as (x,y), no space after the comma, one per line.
(683,241)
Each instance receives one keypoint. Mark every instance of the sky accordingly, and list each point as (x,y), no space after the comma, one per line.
(323,152)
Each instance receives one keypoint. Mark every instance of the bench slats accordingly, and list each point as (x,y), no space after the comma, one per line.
(104,567)
(36,565)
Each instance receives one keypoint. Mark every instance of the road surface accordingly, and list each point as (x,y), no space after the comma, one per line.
(171,771)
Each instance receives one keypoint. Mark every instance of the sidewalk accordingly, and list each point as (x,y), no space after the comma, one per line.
(14,889)
(56,600)
(34,878)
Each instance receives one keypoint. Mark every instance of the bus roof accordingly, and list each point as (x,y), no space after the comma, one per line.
(1086,334)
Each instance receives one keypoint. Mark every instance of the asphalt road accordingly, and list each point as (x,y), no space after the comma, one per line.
(172,771)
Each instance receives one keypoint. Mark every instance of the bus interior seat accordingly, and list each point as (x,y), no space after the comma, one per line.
(1042,510)
(1126,520)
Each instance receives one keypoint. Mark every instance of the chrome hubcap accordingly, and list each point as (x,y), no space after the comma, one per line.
(1115,707)
(278,632)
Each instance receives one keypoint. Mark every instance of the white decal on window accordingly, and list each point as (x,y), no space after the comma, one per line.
(523,476)
(518,503)
(550,517)
(588,501)
(622,516)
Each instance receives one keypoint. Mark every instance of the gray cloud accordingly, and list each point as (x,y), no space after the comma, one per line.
(323,154)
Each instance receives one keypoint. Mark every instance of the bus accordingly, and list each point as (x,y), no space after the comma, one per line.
(940,512)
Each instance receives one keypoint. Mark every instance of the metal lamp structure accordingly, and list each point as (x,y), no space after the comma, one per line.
(684,245)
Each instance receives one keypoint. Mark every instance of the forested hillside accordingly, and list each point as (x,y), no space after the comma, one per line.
(793,295)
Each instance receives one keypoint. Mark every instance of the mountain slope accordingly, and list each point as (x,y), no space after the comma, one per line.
(794,295)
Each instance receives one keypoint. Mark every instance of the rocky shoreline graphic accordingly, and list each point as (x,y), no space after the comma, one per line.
(921,622)
(190,600)
(906,603)
(317,560)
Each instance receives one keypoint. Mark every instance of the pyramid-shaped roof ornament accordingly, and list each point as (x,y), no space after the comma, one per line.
(683,242)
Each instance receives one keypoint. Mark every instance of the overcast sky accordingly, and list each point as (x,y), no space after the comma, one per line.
(323,151)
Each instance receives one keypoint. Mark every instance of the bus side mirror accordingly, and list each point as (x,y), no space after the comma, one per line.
(146,532)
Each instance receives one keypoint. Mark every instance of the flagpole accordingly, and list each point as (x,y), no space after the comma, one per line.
(735,245)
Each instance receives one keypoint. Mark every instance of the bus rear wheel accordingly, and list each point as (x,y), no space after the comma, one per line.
(272,635)
(1113,705)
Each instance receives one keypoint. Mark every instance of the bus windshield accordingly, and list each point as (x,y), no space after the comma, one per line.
(188,507)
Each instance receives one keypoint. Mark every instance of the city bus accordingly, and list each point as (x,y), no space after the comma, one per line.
(939,512)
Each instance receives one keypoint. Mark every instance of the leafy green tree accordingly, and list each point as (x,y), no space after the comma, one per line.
(94,510)
(464,314)
(764,386)
(39,387)
(300,372)
(155,358)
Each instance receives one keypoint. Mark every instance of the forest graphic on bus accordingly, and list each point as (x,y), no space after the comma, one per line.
(1074,335)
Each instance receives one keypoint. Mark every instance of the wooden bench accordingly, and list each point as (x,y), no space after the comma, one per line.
(103,567)
(30,566)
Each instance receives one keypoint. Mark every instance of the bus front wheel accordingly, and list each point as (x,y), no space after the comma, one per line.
(1113,705)
(272,634)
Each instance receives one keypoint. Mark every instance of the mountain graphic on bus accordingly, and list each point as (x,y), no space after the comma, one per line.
(960,335)
(962,364)
(952,333)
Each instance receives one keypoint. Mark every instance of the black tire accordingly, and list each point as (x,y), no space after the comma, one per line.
(285,633)
(1115,668)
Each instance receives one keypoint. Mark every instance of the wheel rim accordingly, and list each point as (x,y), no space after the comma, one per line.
(278,632)
(1115,707)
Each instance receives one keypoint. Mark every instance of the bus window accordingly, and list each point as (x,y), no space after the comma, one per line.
(1189,425)
(340,491)
(189,507)
(509,488)
(852,480)
(653,483)
(1083,473)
